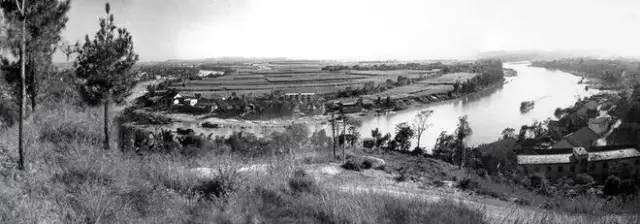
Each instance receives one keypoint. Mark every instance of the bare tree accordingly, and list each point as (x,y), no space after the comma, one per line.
(420,123)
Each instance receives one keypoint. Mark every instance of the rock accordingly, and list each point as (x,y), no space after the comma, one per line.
(203,172)
(373,162)
(448,183)
(329,170)
(255,168)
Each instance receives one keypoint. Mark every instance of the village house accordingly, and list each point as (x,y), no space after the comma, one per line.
(300,96)
(597,130)
(590,106)
(350,106)
(584,137)
(210,104)
(598,162)
(190,100)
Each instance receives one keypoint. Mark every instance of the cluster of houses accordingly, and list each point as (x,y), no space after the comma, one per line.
(584,151)
(596,161)
(209,104)
(305,102)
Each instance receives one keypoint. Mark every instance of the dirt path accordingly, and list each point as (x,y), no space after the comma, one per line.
(137,91)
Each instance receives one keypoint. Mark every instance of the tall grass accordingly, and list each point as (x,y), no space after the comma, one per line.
(71,179)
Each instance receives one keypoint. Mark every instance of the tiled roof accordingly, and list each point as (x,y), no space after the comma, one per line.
(567,157)
(544,159)
(614,154)
(583,137)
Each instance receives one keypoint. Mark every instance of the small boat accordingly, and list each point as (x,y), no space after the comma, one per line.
(210,125)
(526,106)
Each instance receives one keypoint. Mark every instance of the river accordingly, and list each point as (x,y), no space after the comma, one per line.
(491,111)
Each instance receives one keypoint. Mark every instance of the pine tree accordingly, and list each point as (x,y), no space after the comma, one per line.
(15,11)
(44,22)
(103,66)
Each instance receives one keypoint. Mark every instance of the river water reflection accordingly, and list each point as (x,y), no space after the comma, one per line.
(494,110)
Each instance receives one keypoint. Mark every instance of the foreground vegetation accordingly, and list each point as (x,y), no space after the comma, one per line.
(72,175)
(71,179)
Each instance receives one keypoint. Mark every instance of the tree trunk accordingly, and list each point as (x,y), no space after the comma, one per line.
(106,123)
(418,146)
(34,90)
(344,137)
(22,92)
(333,134)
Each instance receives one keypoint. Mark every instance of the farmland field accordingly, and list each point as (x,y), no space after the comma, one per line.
(450,78)
(416,89)
(308,76)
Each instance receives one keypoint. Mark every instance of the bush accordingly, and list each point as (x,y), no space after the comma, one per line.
(537,181)
(628,187)
(224,184)
(301,182)
(351,165)
(583,178)
(8,113)
(468,184)
(70,131)
(611,186)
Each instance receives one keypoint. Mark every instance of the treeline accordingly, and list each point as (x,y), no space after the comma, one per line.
(489,72)
(186,142)
(614,71)
(372,88)
(481,66)
(389,67)
(149,72)
(218,67)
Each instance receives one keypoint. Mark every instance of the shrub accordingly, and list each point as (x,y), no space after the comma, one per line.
(537,181)
(8,113)
(583,178)
(302,182)
(628,187)
(402,177)
(70,131)
(611,186)
(224,184)
(468,184)
(351,165)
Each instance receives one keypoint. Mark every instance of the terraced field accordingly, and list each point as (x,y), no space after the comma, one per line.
(450,78)
(307,76)
(416,89)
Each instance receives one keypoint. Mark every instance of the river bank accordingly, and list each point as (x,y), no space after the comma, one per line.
(416,105)
(493,109)
(261,128)
(490,110)
(592,80)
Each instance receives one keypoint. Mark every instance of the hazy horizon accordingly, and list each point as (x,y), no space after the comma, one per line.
(363,29)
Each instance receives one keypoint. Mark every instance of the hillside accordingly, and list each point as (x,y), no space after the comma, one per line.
(70,179)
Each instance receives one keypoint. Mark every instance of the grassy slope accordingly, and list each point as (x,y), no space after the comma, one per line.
(69,179)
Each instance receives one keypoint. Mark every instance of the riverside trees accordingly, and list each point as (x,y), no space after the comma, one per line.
(420,124)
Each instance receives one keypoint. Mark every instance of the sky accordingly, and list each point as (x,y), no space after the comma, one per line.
(364,29)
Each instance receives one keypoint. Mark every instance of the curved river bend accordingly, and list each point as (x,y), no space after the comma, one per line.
(492,111)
